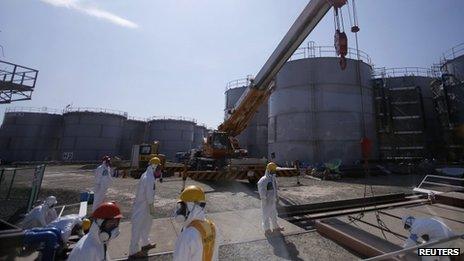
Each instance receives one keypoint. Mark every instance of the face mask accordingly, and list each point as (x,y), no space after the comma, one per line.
(181,213)
(108,234)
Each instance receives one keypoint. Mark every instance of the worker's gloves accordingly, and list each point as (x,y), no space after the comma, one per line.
(152,210)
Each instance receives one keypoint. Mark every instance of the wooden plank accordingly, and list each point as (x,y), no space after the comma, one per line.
(355,239)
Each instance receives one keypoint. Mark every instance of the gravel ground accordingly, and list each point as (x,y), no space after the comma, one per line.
(66,182)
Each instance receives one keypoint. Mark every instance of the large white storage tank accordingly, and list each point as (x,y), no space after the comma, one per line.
(315,112)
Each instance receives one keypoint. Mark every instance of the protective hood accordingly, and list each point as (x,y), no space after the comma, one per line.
(94,232)
(407,221)
(50,201)
(150,171)
(268,174)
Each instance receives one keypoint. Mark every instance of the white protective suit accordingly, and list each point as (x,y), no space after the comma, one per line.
(189,245)
(434,229)
(66,225)
(39,216)
(103,181)
(267,188)
(89,247)
(141,219)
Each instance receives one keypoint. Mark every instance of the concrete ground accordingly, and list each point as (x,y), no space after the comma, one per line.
(232,198)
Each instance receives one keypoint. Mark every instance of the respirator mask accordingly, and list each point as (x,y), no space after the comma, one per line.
(109,229)
(181,212)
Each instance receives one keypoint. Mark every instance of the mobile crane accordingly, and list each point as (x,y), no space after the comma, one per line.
(221,156)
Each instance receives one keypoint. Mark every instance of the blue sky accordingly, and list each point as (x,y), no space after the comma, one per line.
(174,57)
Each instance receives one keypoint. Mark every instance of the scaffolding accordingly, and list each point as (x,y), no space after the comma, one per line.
(16,82)
(448,97)
(400,121)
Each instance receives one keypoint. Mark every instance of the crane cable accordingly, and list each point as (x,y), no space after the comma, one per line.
(355,29)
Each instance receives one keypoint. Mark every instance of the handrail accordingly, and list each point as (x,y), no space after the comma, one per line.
(135,118)
(453,52)
(97,110)
(313,51)
(178,118)
(33,109)
(383,72)
(408,249)
(242,82)
(428,191)
(1,61)
(18,74)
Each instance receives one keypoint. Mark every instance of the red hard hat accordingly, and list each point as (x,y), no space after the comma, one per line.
(107,210)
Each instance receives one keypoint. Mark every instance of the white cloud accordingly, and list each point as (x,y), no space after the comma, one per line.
(92,11)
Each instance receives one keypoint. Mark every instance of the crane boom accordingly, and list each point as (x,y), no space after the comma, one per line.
(261,87)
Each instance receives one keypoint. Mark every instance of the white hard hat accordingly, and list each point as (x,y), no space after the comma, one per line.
(51,201)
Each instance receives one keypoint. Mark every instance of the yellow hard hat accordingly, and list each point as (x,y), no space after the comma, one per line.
(271,167)
(155,161)
(193,193)
(86,224)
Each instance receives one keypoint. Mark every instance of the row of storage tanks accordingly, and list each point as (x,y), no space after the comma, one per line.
(318,112)
(88,134)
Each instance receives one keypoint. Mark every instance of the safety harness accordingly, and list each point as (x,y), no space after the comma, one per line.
(207,230)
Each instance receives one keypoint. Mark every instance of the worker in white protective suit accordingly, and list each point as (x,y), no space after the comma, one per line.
(104,228)
(423,230)
(267,188)
(41,215)
(69,225)
(103,181)
(199,239)
(143,211)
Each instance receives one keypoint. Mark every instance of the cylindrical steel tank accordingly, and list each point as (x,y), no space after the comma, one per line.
(315,112)
(133,134)
(90,133)
(174,135)
(198,136)
(29,134)
(254,137)
(453,61)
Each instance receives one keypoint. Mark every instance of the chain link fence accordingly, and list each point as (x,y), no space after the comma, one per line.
(19,189)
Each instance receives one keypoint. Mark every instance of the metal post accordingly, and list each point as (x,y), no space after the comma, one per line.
(13,74)
(184,177)
(297,166)
(11,184)
(1,179)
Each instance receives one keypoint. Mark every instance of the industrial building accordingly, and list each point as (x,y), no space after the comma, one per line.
(87,134)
